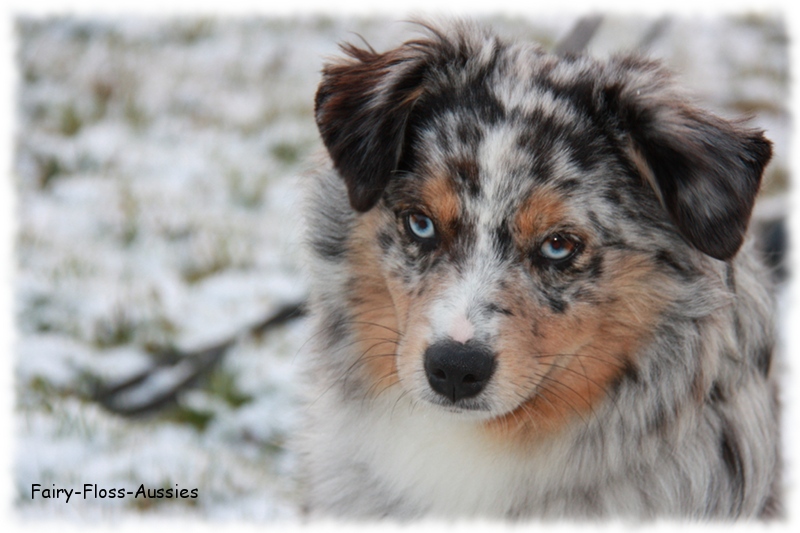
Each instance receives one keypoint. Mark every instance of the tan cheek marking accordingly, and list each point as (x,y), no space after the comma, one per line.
(604,339)
(375,312)
(416,334)
(542,210)
(385,317)
(439,195)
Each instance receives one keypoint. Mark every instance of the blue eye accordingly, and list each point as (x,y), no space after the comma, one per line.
(420,226)
(558,248)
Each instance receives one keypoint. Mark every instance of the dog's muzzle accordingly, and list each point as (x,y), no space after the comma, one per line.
(457,370)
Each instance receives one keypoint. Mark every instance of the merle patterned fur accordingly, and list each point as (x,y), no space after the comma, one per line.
(666,406)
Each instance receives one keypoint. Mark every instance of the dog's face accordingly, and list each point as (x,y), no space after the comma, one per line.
(523,218)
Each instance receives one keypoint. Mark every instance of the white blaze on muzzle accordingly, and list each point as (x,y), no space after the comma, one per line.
(456,312)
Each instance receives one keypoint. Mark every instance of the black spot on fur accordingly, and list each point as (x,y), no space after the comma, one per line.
(386,241)
(716,394)
(444,139)
(663,257)
(503,240)
(475,98)
(474,103)
(568,185)
(600,228)
(468,174)
(556,304)
(546,137)
(330,246)
(469,133)
(594,220)
(657,420)
(587,155)
(494,308)
(580,92)
(541,151)
(734,464)
(589,141)
(764,360)
(629,373)
(667,260)
(595,267)
(612,196)
(335,327)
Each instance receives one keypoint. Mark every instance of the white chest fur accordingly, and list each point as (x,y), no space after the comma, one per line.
(437,462)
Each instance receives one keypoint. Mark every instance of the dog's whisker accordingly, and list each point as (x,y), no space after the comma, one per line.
(378,382)
(376,325)
(599,386)
(362,360)
(529,415)
(578,355)
(548,387)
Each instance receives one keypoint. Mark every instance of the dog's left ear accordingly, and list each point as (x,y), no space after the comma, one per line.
(705,170)
(361,110)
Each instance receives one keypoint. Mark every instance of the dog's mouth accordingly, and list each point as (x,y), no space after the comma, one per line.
(471,405)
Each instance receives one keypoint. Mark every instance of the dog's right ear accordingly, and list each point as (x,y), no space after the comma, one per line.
(361,109)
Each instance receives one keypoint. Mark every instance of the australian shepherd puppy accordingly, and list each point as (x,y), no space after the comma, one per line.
(530,291)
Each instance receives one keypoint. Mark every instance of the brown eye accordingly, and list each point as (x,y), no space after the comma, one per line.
(558,248)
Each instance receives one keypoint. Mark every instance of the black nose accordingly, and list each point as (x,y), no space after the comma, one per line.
(457,370)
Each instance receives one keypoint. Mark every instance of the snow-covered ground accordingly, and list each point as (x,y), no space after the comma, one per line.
(158,168)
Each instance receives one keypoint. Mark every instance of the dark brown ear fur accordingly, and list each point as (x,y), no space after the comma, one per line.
(361,110)
(706,170)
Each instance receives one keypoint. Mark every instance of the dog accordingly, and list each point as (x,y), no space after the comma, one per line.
(533,294)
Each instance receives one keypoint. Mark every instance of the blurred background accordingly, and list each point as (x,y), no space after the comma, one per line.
(158,169)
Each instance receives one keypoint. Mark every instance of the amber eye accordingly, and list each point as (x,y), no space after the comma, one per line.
(558,248)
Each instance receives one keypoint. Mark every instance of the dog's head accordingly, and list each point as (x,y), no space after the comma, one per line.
(522,216)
